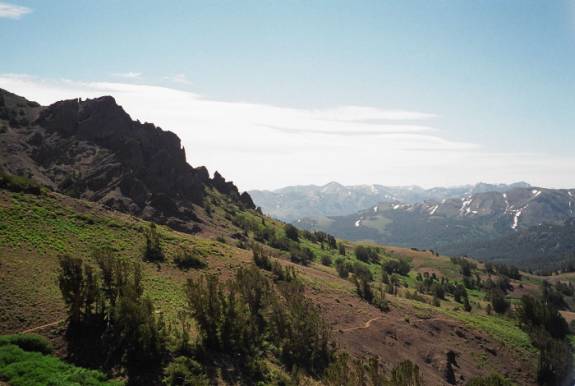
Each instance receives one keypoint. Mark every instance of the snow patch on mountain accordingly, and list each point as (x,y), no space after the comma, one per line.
(465,206)
(516,217)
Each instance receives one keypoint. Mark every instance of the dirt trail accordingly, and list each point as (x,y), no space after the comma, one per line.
(365,325)
(42,326)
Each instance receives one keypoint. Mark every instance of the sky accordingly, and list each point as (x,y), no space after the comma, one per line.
(274,93)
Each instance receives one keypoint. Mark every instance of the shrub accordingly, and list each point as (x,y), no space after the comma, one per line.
(341,249)
(186,259)
(366,254)
(303,334)
(28,342)
(300,255)
(19,184)
(343,267)
(438,291)
(326,260)
(184,371)
(291,232)
(415,296)
(23,368)
(282,243)
(261,259)
(555,360)
(406,374)
(547,330)
(491,380)
(401,267)
(534,313)
(498,301)
(283,274)
(363,289)
(466,305)
(466,266)
(153,250)
(362,270)
(346,371)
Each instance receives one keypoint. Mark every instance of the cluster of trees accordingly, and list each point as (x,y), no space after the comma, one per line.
(291,232)
(440,287)
(263,260)
(362,278)
(510,271)
(465,265)
(288,240)
(367,254)
(554,295)
(548,332)
(496,293)
(301,255)
(248,316)
(496,288)
(400,267)
(321,238)
(111,323)
(345,267)
(391,282)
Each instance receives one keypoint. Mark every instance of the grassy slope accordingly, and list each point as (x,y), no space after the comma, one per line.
(35,230)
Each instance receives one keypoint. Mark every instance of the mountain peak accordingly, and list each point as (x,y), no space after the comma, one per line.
(332,187)
(95,149)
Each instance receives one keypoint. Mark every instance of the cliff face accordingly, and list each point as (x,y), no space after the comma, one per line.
(92,149)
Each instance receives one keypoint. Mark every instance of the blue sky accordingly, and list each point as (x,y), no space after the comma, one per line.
(495,79)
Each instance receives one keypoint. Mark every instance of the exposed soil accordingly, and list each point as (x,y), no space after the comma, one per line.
(402,334)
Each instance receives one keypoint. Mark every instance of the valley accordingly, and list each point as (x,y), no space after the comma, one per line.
(512,224)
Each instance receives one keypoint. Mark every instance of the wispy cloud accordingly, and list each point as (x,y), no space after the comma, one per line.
(128,75)
(179,78)
(12,11)
(266,146)
(355,130)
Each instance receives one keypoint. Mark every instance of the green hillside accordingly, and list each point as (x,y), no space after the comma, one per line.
(37,229)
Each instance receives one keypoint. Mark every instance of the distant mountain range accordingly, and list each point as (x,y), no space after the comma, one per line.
(295,202)
(515,223)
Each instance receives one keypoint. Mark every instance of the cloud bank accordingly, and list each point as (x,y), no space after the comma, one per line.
(265,146)
(12,11)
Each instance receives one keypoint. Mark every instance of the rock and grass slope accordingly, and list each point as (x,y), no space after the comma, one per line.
(37,229)
(390,303)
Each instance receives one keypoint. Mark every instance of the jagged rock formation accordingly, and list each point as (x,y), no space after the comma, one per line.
(92,149)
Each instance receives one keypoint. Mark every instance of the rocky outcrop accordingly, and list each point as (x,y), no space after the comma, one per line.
(92,149)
